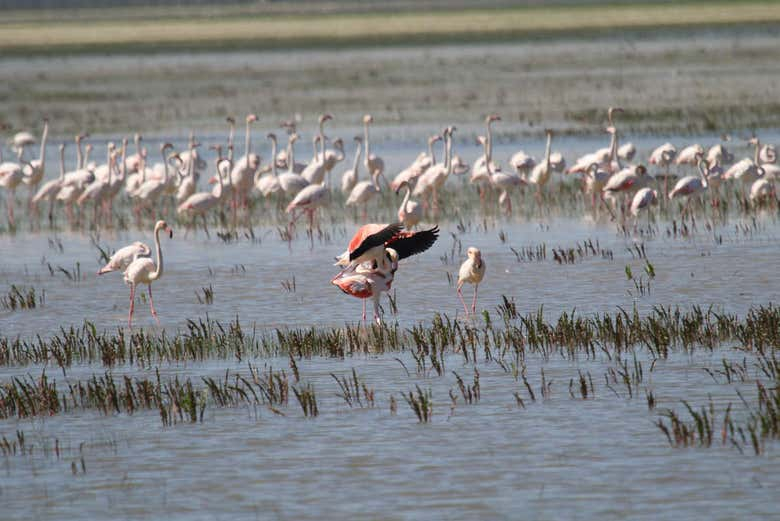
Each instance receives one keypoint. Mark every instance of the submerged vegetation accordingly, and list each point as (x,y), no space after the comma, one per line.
(627,346)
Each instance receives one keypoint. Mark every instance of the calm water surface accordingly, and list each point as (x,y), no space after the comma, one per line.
(558,458)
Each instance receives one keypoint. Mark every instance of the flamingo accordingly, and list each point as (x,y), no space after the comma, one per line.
(188,182)
(21,140)
(372,162)
(691,186)
(315,171)
(627,151)
(308,200)
(98,191)
(153,188)
(687,155)
(366,246)
(50,189)
(202,202)
(349,178)
(290,182)
(122,257)
(242,175)
(540,174)
(142,270)
(334,156)
(595,179)
(643,199)
(663,156)
(625,181)
(11,175)
(504,181)
(762,188)
(134,161)
(472,271)
(372,259)
(410,212)
(266,182)
(719,154)
(434,178)
(35,170)
(364,191)
(419,166)
(285,159)
(479,172)
(364,284)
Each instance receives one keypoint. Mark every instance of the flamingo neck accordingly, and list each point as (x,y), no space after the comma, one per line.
(165,166)
(247,143)
(365,141)
(430,152)
(157,273)
(489,137)
(273,158)
(406,198)
(356,161)
(756,155)
(547,151)
(43,143)
(79,157)
(62,165)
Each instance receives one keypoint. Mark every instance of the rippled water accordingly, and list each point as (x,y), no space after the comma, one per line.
(557,458)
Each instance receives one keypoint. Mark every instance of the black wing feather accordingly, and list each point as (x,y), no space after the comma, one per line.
(377,239)
(417,243)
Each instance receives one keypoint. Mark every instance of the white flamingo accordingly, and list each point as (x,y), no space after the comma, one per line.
(691,186)
(242,175)
(49,190)
(349,178)
(372,162)
(35,170)
(410,212)
(142,270)
(202,202)
(290,182)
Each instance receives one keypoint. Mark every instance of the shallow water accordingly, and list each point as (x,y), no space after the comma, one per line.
(557,458)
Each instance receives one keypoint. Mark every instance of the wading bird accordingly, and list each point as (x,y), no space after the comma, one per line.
(472,271)
(142,270)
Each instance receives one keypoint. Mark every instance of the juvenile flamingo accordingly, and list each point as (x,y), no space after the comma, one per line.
(142,270)
(472,271)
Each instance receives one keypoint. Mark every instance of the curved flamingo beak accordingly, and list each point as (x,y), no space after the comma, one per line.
(170,231)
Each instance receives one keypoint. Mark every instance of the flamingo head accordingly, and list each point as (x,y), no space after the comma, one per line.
(475,254)
(162,225)
(251,118)
(368,118)
(491,118)
(325,117)
(611,111)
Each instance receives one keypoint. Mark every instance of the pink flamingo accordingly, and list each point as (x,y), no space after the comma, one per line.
(472,271)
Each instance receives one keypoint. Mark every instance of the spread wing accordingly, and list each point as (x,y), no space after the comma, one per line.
(415,243)
(377,239)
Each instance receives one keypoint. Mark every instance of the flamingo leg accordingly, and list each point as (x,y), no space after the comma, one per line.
(460,296)
(474,302)
(151,305)
(10,204)
(132,306)
(377,318)
(364,310)
(205,225)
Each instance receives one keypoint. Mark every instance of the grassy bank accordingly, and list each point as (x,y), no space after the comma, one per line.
(207,29)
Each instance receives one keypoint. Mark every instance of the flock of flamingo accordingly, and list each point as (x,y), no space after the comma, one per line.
(609,178)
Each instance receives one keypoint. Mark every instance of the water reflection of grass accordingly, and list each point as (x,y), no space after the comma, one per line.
(210,29)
